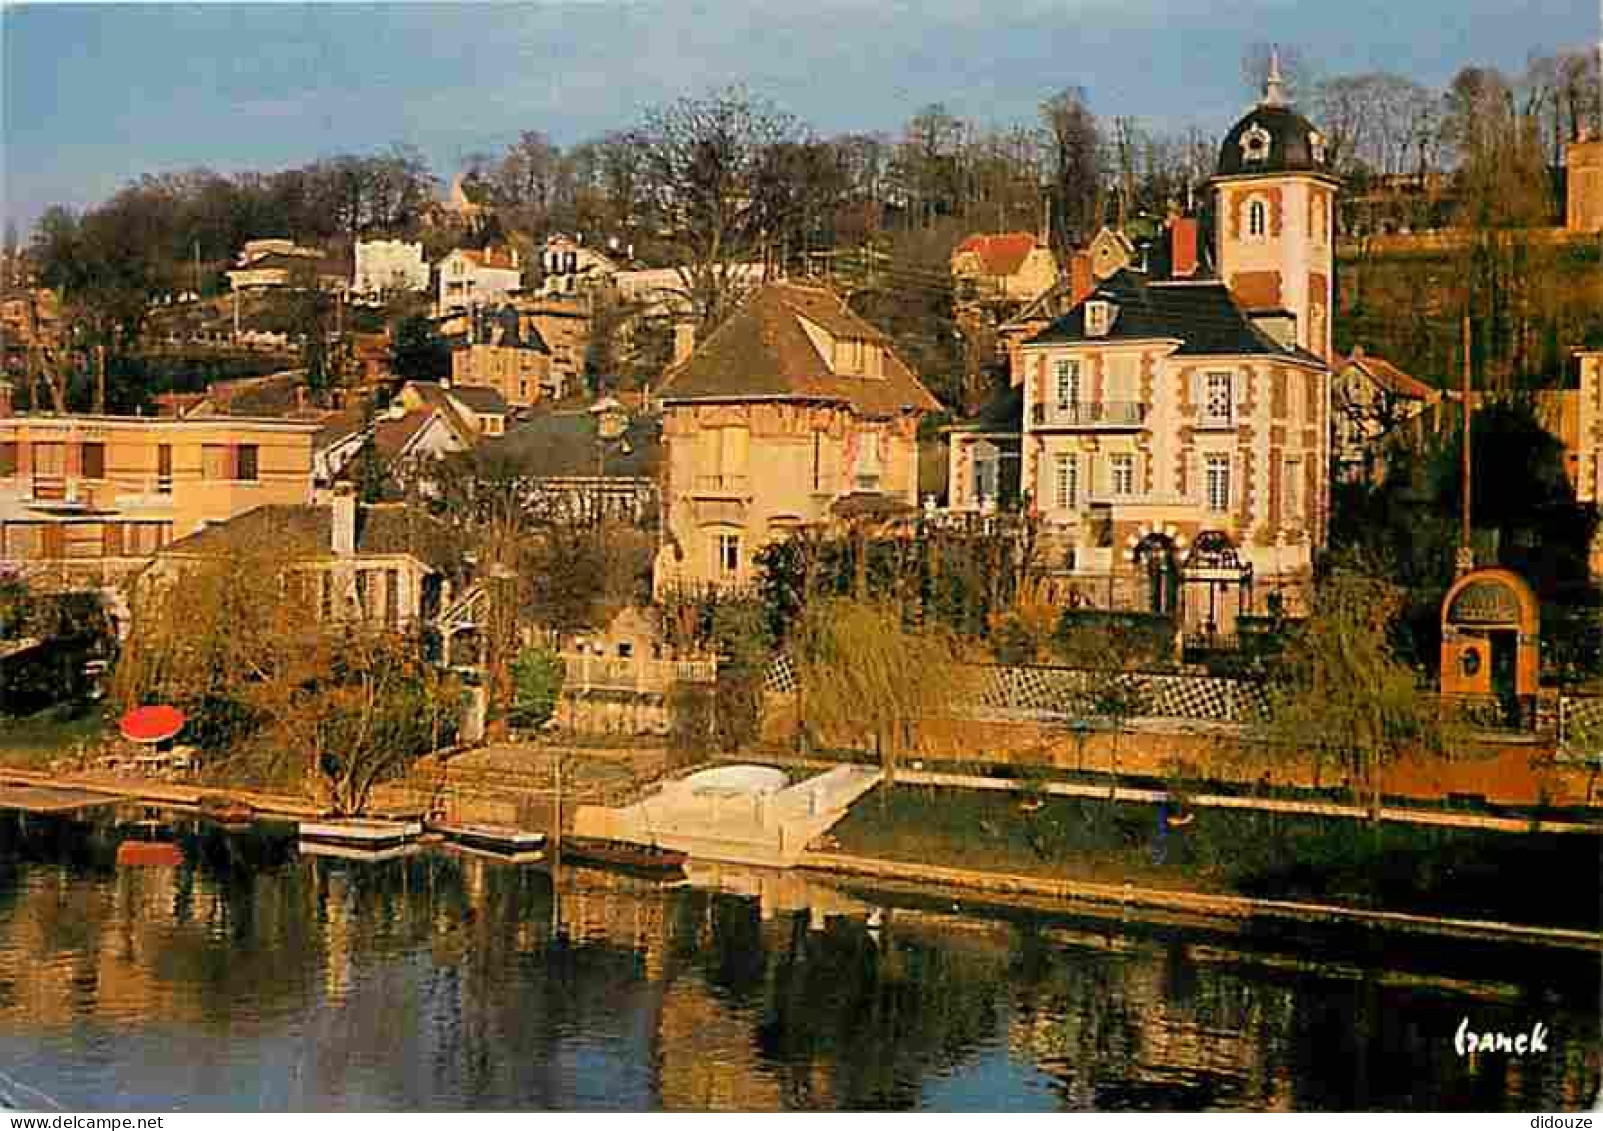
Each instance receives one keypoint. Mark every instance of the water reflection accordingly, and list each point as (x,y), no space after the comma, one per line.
(249,977)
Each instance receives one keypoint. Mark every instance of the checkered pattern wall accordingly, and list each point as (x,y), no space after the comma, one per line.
(1581,724)
(1071,693)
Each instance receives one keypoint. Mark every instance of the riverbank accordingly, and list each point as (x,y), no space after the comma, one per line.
(1366,867)
(1178,907)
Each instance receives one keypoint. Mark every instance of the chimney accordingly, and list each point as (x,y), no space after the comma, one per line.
(1081,281)
(1183,247)
(5,398)
(344,524)
(684,341)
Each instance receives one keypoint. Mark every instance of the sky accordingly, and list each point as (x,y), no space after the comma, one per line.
(94,95)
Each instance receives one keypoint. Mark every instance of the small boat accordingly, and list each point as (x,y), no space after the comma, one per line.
(360,832)
(624,854)
(355,852)
(494,839)
(229,812)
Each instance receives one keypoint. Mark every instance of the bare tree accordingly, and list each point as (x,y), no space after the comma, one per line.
(703,159)
(1075,167)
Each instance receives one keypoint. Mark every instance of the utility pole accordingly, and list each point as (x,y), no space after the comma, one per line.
(1466,552)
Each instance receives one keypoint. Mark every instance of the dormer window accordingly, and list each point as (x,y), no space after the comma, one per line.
(1098,318)
(1316,146)
(858,357)
(1255,145)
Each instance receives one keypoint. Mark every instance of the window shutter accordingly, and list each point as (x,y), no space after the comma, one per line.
(735,451)
(708,452)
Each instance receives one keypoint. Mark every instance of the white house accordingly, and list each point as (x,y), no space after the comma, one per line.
(570,267)
(389,265)
(470,278)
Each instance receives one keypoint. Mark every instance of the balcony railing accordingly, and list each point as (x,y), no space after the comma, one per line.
(588,672)
(1090,414)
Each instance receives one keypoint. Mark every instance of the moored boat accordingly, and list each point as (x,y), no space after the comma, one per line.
(624,854)
(229,812)
(361,853)
(495,839)
(360,832)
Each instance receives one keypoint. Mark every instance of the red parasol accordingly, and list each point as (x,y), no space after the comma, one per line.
(152,724)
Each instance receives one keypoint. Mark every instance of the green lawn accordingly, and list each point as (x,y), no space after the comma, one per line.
(34,741)
(1392,866)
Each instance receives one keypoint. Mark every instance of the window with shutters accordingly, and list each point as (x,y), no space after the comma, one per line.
(1217,482)
(1066,485)
(726,554)
(49,470)
(93,460)
(246,458)
(216,462)
(164,469)
(1219,399)
(1121,473)
(869,465)
(723,458)
(8,457)
(1068,384)
(1291,489)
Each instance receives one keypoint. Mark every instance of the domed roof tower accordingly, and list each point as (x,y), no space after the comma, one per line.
(1275,198)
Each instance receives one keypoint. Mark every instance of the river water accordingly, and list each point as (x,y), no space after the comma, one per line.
(239,974)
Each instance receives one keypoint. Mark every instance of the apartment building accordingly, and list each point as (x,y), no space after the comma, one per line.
(94,497)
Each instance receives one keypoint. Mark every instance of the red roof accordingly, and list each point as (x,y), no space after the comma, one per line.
(1390,378)
(493,256)
(1000,254)
(391,436)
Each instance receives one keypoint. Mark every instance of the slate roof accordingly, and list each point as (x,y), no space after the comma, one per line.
(1201,315)
(562,445)
(1001,254)
(1290,150)
(306,529)
(481,399)
(762,351)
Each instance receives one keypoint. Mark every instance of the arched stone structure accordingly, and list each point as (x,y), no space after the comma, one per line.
(1490,644)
